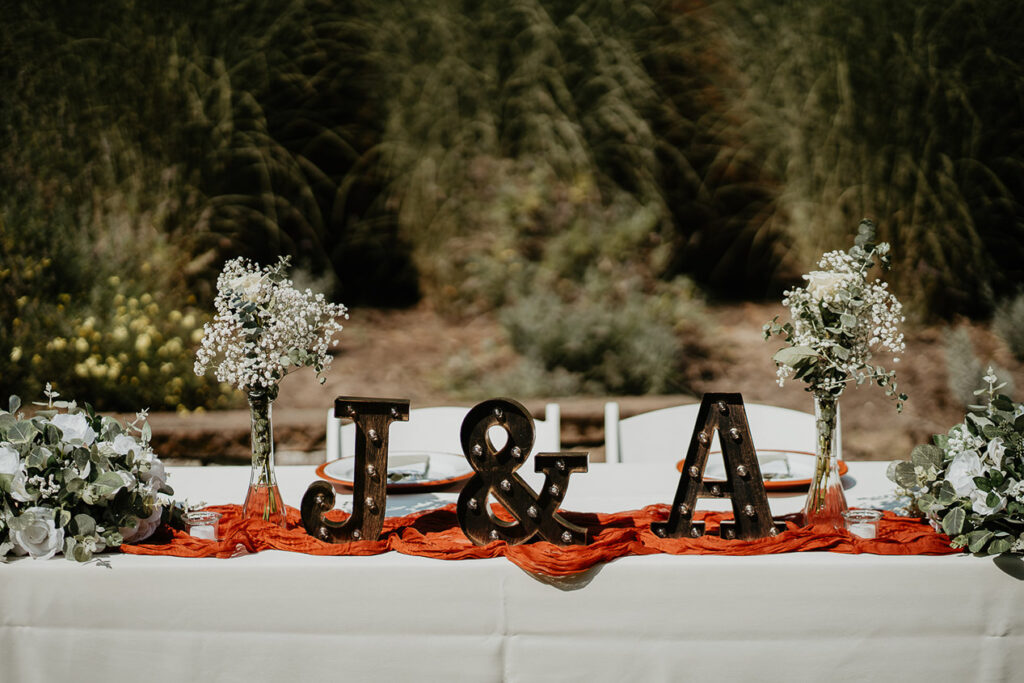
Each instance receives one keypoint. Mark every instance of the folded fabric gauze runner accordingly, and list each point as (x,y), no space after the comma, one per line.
(408,467)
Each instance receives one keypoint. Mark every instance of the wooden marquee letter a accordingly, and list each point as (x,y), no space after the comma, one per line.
(752,518)
(373,418)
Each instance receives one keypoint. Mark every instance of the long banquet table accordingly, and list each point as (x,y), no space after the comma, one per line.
(284,616)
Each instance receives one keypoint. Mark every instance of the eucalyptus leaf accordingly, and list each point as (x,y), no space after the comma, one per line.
(63,517)
(85,525)
(999,546)
(953,522)
(947,494)
(927,455)
(976,540)
(794,355)
(905,475)
(999,403)
(36,458)
(82,552)
(996,477)
(51,434)
(21,432)
(991,431)
(81,458)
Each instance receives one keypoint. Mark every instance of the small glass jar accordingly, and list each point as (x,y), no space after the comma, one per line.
(202,524)
(862,523)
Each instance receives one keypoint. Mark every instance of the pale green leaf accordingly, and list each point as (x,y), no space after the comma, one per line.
(85,525)
(976,540)
(953,522)
(927,455)
(794,355)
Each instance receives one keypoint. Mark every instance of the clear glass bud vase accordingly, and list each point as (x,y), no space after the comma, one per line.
(826,501)
(263,501)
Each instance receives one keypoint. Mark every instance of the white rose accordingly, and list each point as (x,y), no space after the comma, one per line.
(40,538)
(144,529)
(248,286)
(123,444)
(10,461)
(74,427)
(822,283)
(18,490)
(995,451)
(962,471)
(156,477)
(979,505)
(127,478)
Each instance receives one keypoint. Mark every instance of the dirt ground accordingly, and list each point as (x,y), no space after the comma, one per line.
(405,354)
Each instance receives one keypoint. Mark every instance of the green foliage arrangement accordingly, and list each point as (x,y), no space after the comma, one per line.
(839,319)
(970,481)
(907,111)
(75,482)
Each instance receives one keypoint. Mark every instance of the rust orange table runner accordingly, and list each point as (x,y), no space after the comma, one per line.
(436,533)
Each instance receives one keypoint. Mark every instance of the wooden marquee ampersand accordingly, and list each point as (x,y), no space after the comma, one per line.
(752,518)
(535,515)
(373,418)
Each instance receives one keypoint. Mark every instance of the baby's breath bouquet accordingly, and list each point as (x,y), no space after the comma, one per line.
(74,482)
(264,329)
(839,318)
(970,481)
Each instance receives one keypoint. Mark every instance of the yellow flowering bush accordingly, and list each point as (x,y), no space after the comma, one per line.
(122,348)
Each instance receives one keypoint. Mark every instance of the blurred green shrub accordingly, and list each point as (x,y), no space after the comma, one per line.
(906,112)
(964,370)
(617,342)
(1008,323)
(501,153)
(101,339)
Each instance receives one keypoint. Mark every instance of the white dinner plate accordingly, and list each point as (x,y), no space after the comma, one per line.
(407,470)
(780,469)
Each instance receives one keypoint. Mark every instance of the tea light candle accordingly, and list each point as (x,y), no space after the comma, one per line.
(202,524)
(862,523)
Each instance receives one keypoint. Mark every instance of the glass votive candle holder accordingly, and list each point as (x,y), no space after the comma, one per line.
(202,524)
(862,523)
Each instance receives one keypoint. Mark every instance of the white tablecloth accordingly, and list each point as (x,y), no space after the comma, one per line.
(283,616)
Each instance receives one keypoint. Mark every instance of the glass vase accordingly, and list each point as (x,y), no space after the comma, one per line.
(826,501)
(263,501)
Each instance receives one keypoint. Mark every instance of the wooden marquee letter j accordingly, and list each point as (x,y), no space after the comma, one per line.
(373,418)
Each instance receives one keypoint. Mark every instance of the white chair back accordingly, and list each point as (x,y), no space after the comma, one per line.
(436,430)
(664,435)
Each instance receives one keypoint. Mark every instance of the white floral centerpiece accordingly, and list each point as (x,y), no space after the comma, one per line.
(263,330)
(970,481)
(839,319)
(74,482)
